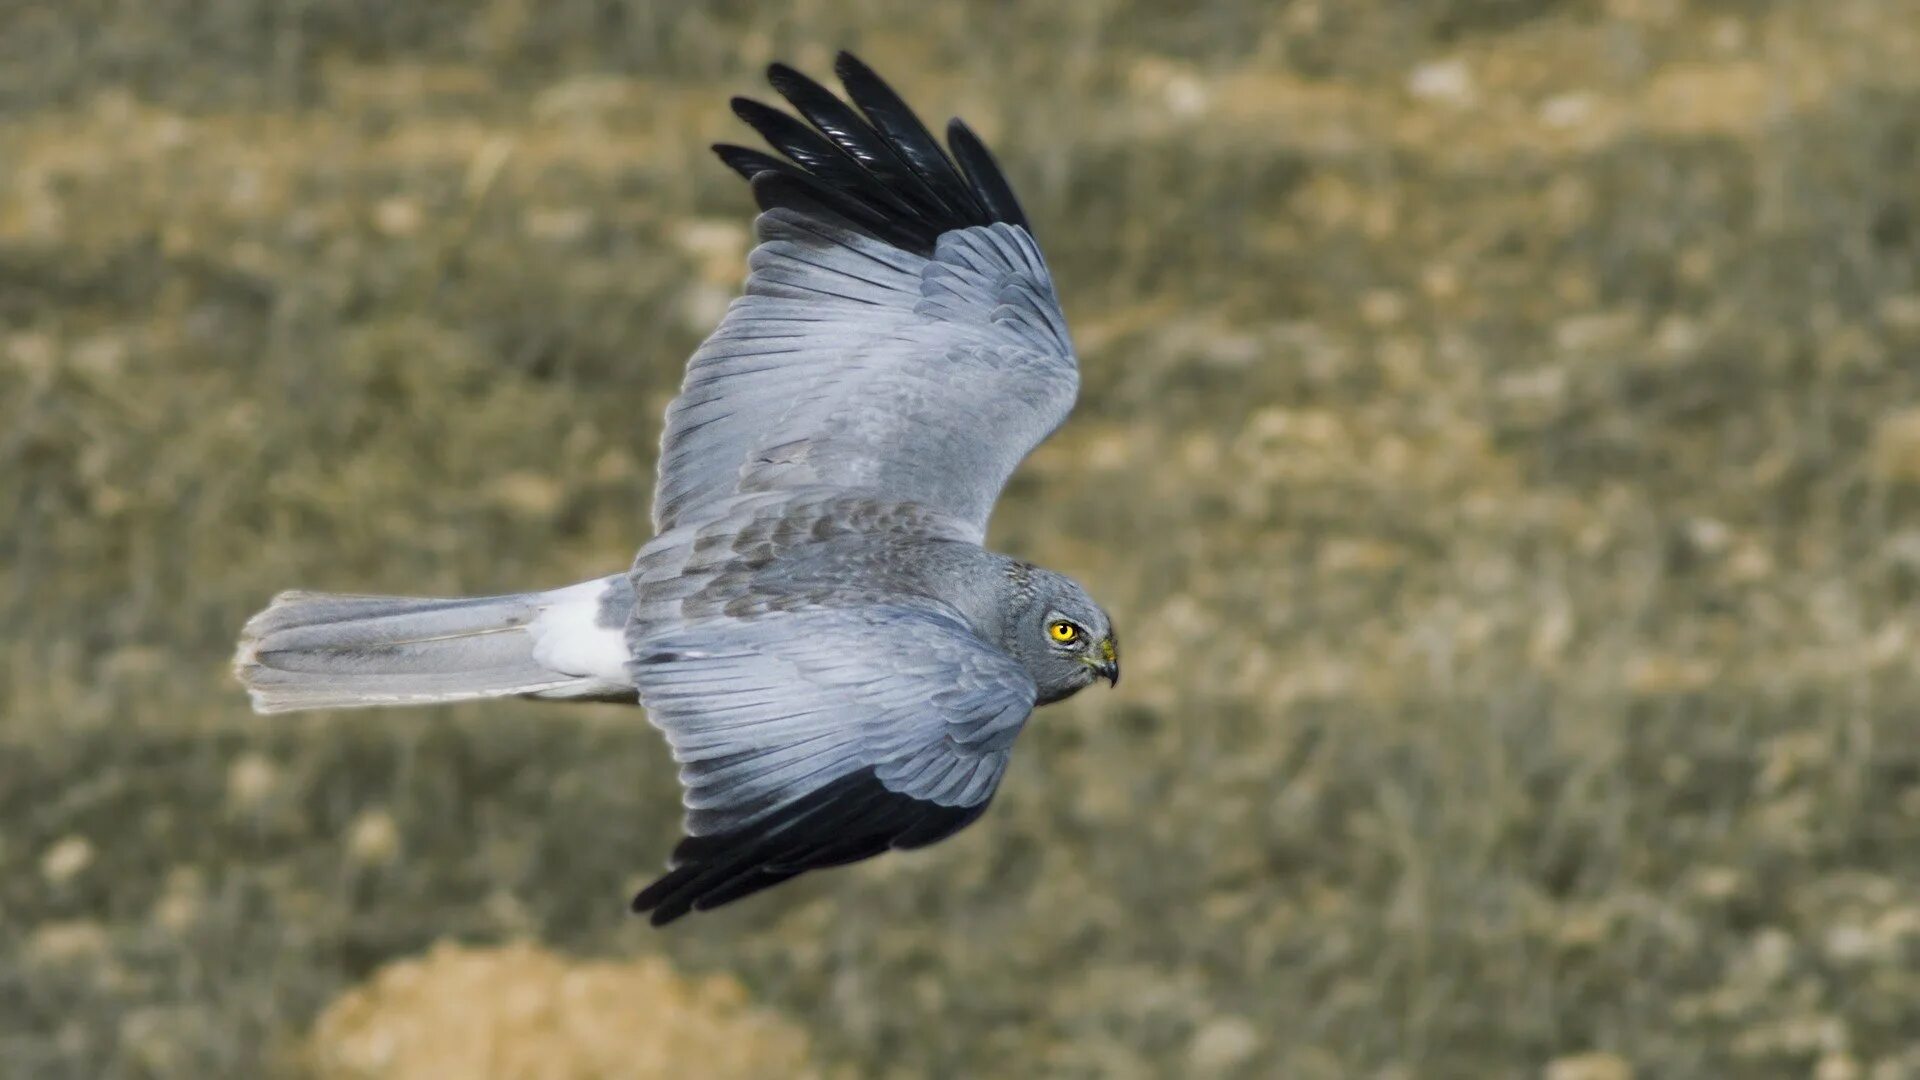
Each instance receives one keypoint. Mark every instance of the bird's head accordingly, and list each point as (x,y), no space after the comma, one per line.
(1061,636)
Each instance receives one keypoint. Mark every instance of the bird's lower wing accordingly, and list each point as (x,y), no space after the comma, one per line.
(814,738)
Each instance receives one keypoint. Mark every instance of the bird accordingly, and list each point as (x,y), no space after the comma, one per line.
(839,665)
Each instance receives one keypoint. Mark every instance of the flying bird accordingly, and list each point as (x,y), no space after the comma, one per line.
(838,664)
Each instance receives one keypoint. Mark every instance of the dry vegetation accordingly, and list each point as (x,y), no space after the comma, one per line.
(1500,445)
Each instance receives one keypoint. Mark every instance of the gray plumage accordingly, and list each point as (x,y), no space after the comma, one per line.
(333,651)
(852,365)
(838,665)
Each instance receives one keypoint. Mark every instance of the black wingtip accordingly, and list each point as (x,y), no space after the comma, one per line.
(983,172)
(849,819)
(844,62)
(655,903)
(660,916)
(744,107)
(746,161)
(780,76)
(873,164)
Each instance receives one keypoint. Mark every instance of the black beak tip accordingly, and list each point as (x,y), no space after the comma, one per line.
(1109,672)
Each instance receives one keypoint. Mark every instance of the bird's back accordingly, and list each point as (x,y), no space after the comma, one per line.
(769,553)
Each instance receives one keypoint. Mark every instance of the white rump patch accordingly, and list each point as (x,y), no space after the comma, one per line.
(568,637)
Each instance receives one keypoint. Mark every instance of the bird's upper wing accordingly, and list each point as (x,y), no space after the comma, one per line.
(899,333)
(814,738)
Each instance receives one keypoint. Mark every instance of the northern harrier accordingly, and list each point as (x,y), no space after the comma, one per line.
(839,665)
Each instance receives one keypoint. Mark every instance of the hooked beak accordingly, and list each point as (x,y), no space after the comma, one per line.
(1106,661)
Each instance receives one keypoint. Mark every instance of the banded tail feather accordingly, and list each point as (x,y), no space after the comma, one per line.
(335,651)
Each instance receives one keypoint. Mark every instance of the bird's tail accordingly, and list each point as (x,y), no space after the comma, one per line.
(333,651)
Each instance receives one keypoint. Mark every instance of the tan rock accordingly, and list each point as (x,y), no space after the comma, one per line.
(524,1013)
(1593,1066)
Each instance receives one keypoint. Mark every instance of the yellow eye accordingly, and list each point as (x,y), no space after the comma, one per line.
(1063,632)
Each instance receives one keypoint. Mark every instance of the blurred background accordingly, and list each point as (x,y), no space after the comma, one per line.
(1500,445)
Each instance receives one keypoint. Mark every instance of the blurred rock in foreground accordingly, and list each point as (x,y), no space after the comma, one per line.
(520,1011)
